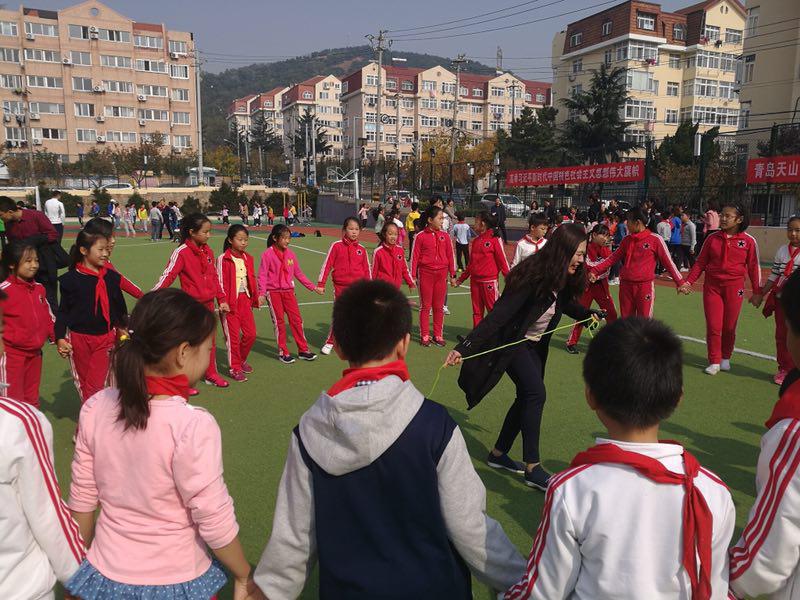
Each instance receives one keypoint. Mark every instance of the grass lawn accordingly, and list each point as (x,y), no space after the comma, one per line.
(720,420)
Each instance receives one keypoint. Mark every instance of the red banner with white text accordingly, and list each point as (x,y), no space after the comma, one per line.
(606,173)
(774,169)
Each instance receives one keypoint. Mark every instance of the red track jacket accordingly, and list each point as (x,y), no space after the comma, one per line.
(226,269)
(348,261)
(126,284)
(27,318)
(486,260)
(639,253)
(197,270)
(433,250)
(389,264)
(595,255)
(726,261)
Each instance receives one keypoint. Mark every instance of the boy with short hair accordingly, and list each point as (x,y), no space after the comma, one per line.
(378,485)
(632,518)
(765,560)
(688,242)
(534,240)
(462,234)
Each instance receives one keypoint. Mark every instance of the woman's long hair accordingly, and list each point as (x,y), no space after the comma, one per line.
(547,270)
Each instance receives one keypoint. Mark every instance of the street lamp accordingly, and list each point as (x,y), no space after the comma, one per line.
(433,155)
(471,170)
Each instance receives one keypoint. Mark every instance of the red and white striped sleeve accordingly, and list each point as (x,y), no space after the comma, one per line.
(555,558)
(48,517)
(500,257)
(172,270)
(754,264)
(768,553)
(327,264)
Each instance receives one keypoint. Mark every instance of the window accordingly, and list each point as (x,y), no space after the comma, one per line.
(82,84)
(744,117)
(407,122)
(119,62)
(637,135)
(47,108)
(446,105)
(477,126)
(177,47)
(11,55)
(42,81)
(607,28)
(34,54)
(124,137)
(183,141)
(407,86)
(477,92)
(749,68)
(497,92)
(182,72)
(13,106)
(148,41)
(152,90)
(449,88)
(711,32)
(528,98)
(8,28)
(575,90)
(674,61)
(679,32)
(608,56)
(642,81)
(428,86)
(705,87)
(372,80)
(577,65)
(180,118)
(733,36)
(122,87)
(673,88)
(49,133)
(86,135)
(477,109)
(43,29)
(728,62)
(391,84)
(640,110)
(575,39)
(79,32)
(180,95)
(540,98)
(123,112)
(153,114)
(15,134)
(428,103)
(426,121)
(463,91)
(407,103)
(81,58)
(370,99)
(636,50)
(497,110)
(407,139)
(148,137)
(308,96)
(151,66)
(84,109)
(726,90)
(750,27)
(646,21)
(671,117)
(708,60)
(711,115)
(12,82)
(113,35)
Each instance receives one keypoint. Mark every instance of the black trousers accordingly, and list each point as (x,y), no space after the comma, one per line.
(462,251)
(525,415)
(686,257)
(50,283)
(59,227)
(503,234)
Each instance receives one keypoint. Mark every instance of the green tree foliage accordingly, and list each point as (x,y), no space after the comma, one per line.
(786,141)
(533,140)
(224,195)
(308,121)
(679,148)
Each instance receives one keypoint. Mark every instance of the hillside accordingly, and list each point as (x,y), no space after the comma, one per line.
(219,89)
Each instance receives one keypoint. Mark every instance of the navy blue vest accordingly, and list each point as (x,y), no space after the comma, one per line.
(380,531)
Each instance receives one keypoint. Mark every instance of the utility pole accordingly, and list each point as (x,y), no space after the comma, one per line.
(379,44)
(246,133)
(460,60)
(397,136)
(313,166)
(307,170)
(200,171)
(514,87)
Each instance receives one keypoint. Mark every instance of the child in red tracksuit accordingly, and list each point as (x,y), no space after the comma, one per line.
(90,310)
(346,262)
(639,252)
(193,261)
(237,277)
(27,324)
(104,227)
(276,274)
(596,251)
(389,259)
(487,260)
(726,257)
(432,261)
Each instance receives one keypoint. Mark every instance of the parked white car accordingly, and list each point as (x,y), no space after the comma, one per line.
(514,206)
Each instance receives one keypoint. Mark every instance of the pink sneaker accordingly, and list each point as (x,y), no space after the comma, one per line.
(780,376)
(216,381)
(193,392)
(238,376)
(246,368)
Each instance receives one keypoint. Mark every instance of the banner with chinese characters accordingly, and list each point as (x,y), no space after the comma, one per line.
(774,169)
(607,173)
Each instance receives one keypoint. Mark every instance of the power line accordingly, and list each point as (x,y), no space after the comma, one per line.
(493,12)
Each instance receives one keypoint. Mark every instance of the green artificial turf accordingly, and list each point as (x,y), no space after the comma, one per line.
(720,419)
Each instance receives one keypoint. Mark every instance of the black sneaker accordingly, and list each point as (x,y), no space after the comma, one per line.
(286,359)
(573,349)
(504,461)
(307,356)
(537,478)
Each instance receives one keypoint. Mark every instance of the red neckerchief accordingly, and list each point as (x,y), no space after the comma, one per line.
(788,406)
(635,238)
(697,518)
(350,377)
(793,252)
(202,252)
(281,254)
(100,291)
(168,386)
(536,243)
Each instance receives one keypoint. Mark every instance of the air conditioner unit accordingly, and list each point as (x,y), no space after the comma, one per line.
(141,98)
(93,35)
(571,77)
(98,89)
(37,142)
(101,139)
(100,119)
(6,118)
(19,91)
(66,60)
(178,150)
(142,122)
(174,55)
(34,116)
(30,36)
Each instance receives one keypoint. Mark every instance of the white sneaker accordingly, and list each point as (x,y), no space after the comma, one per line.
(712,369)
(725,364)
(326,349)
(613,282)
(684,270)
(446,310)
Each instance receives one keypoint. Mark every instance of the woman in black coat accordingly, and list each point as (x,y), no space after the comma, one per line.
(537,292)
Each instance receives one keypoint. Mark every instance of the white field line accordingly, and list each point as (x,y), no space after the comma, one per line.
(739,350)
(331,301)
(292,245)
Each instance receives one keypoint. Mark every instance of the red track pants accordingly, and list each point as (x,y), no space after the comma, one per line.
(785,362)
(90,361)
(240,331)
(337,289)
(22,371)
(636,299)
(284,302)
(595,292)
(484,294)
(211,371)
(722,305)
(432,292)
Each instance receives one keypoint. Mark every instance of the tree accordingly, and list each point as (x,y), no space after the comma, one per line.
(310,122)
(679,148)
(597,132)
(263,136)
(533,140)
(177,165)
(223,160)
(783,142)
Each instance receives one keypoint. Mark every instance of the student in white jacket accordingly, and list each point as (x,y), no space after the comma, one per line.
(39,541)
(766,560)
(615,524)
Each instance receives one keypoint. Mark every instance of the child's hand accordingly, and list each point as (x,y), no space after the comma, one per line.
(319,290)
(247,590)
(453,282)
(262,301)
(64,348)
(224,308)
(685,289)
(756,299)
(592,277)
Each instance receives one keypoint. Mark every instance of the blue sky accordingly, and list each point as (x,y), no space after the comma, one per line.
(238,32)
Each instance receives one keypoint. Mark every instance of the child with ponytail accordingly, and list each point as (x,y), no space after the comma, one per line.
(153,464)
(389,259)
(193,262)
(91,310)
(104,227)
(237,277)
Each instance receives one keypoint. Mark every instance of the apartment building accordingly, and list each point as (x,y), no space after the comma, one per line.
(88,77)
(680,65)
(419,103)
(248,111)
